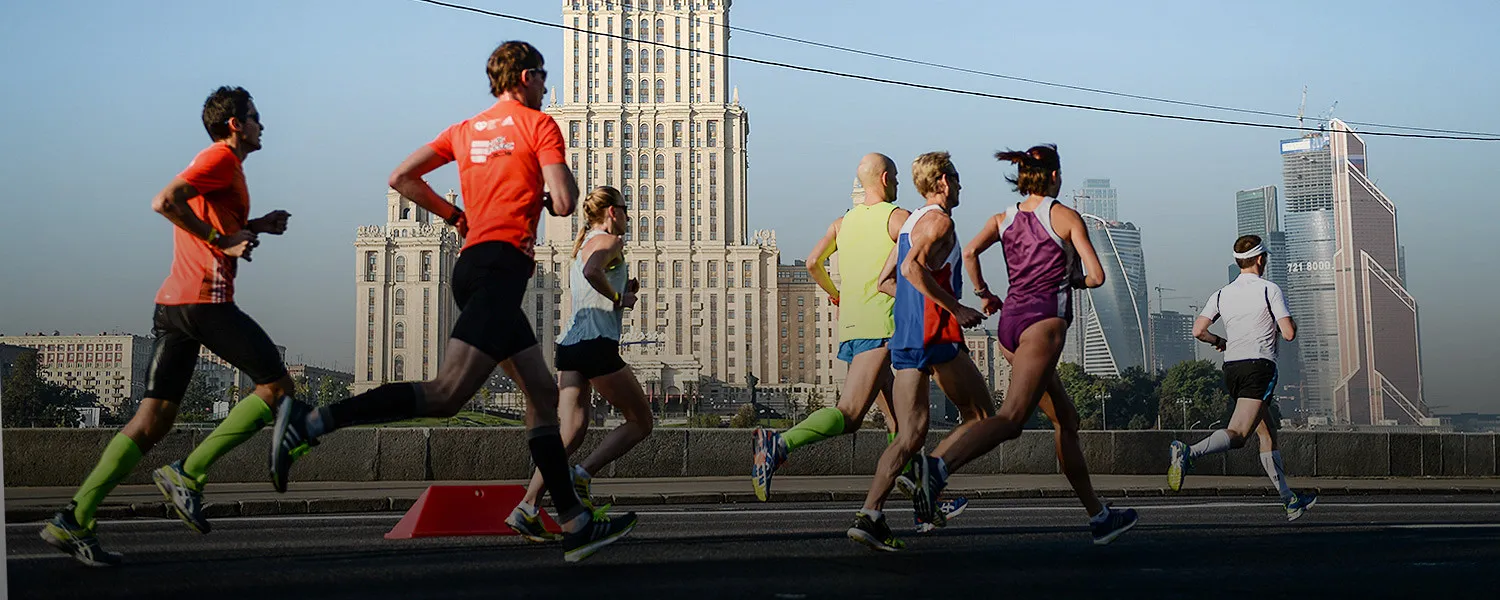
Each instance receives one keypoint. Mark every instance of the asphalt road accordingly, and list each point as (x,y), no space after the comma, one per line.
(1345,547)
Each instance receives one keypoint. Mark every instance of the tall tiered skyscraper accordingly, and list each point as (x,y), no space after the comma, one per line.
(1380,357)
(1307,187)
(645,111)
(1097,198)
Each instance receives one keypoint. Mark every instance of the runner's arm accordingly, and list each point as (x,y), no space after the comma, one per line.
(887,283)
(407,180)
(989,234)
(820,253)
(1207,317)
(603,250)
(916,267)
(1283,315)
(562,187)
(172,203)
(1070,226)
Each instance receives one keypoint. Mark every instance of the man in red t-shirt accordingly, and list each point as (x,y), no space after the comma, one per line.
(209,206)
(505,155)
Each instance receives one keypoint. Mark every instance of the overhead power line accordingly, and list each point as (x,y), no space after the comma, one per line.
(1467,136)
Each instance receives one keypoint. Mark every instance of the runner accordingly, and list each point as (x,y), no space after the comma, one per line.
(1254,313)
(505,154)
(209,206)
(863,239)
(922,272)
(1043,242)
(588,354)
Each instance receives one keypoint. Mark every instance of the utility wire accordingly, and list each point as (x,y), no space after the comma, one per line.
(963,92)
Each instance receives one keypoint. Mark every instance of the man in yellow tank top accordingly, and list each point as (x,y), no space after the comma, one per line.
(863,238)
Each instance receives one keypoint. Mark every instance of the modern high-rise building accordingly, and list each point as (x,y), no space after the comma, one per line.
(1113,319)
(1172,338)
(1380,357)
(664,126)
(403,297)
(1307,189)
(1097,198)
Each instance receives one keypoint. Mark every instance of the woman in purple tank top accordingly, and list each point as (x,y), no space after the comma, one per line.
(1038,237)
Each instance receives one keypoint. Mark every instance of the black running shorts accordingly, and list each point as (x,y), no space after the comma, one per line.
(1254,379)
(224,329)
(489,283)
(593,358)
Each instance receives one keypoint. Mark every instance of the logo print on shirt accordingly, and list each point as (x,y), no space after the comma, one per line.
(483,125)
(481,150)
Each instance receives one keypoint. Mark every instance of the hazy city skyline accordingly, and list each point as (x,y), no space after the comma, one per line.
(347,89)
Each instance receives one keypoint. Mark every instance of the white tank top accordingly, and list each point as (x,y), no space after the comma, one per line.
(594,315)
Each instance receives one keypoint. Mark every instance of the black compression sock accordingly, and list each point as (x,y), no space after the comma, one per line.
(551,459)
(389,402)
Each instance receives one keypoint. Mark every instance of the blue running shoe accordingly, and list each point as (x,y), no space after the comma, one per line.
(949,509)
(1116,522)
(770,453)
(930,483)
(1181,462)
(1298,504)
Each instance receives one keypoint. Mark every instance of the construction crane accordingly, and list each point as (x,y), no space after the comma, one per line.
(1160,297)
(1302,108)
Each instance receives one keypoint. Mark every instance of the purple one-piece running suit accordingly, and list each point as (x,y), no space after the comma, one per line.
(1040,266)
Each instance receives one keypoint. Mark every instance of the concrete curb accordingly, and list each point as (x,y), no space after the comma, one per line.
(335,505)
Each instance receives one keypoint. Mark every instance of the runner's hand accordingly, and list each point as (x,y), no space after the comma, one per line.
(633,286)
(547,202)
(968,317)
(273,223)
(238,244)
(627,300)
(991,303)
(462,223)
(1220,343)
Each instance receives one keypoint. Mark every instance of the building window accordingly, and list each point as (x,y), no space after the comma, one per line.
(661,137)
(661,197)
(400,302)
(398,368)
(645,162)
(645,232)
(370,266)
(661,229)
(609,134)
(400,268)
(400,339)
(627,95)
(426,265)
(661,163)
(661,92)
(645,196)
(645,91)
(661,36)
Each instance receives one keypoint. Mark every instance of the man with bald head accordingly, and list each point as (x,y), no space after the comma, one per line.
(863,239)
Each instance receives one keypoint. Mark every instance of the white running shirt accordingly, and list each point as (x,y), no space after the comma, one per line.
(1250,307)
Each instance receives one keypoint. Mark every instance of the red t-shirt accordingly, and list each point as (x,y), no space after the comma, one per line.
(201,274)
(500,154)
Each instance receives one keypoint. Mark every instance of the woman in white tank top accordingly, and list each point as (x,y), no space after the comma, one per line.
(588,354)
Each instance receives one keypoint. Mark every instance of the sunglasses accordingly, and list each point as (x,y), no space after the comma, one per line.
(539,72)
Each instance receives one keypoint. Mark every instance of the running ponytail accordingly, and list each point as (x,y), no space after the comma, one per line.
(1034,168)
(595,207)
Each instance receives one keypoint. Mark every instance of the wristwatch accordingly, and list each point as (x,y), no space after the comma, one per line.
(453,218)
(213,235)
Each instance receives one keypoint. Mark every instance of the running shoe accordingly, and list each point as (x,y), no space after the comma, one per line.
(1181,462)
(905,485)
(185,494)
(874,533)
(64,533)
(289,439)
(582,483)
(529,527)
(949,509)
(1298,504)
(930,483)
(770,453)
(1118,521)
(601,530)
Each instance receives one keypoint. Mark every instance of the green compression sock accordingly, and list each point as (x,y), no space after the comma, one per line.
(119,458)
(824,423)
(247,417)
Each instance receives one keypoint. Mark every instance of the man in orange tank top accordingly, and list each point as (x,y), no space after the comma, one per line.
(505,155)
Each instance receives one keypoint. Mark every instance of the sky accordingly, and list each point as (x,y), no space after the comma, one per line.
(103,99)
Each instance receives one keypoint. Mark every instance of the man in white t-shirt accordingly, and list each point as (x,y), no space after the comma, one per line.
(1255,319)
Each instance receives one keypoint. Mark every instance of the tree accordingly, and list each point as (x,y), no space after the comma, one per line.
(1087,393)
(198,400)
(330,391)
(702,420)
(1191,392)
(1132,394)
(303,388)
(31,401)
(745,418)
(814,400)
